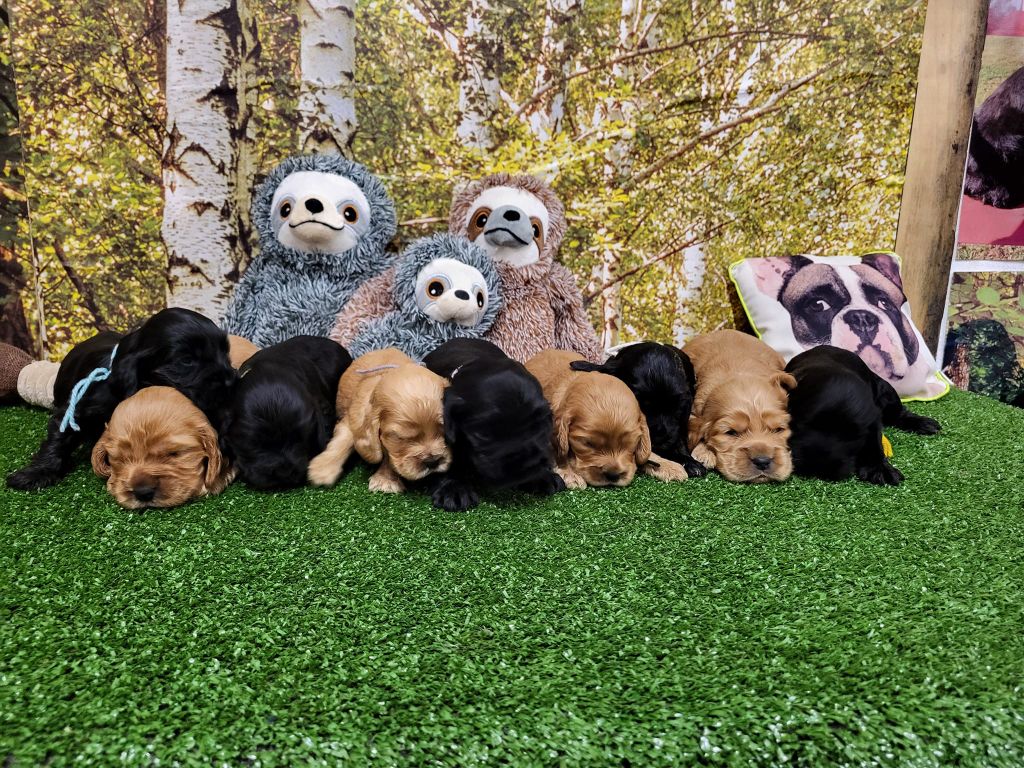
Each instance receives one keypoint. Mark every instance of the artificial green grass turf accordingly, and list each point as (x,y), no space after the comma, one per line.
(706,622)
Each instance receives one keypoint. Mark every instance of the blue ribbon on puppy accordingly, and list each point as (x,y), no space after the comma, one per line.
(78,392)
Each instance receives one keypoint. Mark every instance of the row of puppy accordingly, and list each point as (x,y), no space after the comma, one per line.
(169,418)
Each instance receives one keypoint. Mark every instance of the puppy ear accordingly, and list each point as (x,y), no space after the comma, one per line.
(586,365)
(450,402)
(643,448)
(214,478)
(784,380)
(561,439)
(101,457)
(365,421)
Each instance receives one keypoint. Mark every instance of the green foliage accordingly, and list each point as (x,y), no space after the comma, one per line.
(702,146)
(989,296)
(707,623)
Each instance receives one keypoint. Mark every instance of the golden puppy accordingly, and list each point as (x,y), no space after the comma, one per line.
(159,450)
(739,424)
(601,435)
(391,415)
(240,350)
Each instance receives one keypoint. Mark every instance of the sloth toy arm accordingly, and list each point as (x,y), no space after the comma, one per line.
(573,330)
(373,299)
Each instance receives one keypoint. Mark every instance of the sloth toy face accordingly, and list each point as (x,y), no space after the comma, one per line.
(319,212)
(510,223)
(450,291)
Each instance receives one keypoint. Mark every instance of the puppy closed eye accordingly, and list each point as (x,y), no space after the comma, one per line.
(732,433)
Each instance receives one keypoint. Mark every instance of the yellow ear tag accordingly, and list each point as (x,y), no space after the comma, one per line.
(886,447)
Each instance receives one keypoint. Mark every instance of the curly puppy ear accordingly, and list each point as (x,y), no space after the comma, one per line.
(643,447)
(561,439)
(786,381)
(364,419)
(215,478)
(101,457)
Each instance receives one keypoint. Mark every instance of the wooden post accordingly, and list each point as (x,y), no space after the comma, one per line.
(947,79)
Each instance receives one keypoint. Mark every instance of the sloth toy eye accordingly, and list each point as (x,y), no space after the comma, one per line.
(536,231)
(481,219)
(351,214)
(435,288)
(480,299)
(286,209)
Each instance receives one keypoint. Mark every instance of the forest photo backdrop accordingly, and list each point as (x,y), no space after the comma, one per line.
(681,135)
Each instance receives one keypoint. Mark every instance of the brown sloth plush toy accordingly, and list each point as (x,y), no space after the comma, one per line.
(520,222)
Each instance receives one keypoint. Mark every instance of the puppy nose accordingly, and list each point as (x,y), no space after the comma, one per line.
(313,205)
(612,476)
(432,463)
(761,462)
(511,215)
(460,294)
(144,492)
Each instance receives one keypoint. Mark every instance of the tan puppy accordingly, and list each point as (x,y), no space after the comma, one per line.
(391,414)
(739,424)
(240,350)
(159,450)
(601,435)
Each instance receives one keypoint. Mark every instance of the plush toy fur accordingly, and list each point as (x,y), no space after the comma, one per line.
(288,292)
(542,306)
(408,327)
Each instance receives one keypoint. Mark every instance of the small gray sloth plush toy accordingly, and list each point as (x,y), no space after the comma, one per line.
(445,288)
(324,223)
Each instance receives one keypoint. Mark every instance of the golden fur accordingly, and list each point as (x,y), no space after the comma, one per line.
(158,440)
(601,435)
(391,415)
(739,410)
(240,350)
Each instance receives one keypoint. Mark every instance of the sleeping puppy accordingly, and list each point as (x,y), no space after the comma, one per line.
(740,423)
(995,156)
(837,413)
(661,377)
(392,416)
(175,348)
(284,410)
(159,450)
(601,435)
(496,422)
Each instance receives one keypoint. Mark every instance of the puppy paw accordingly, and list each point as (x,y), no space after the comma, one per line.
(665,470)
(921,425)
(573,481)
(453,496)
(693,467)
(703,454)
(31,479)
(547,485)
(880,474)
(386,483)
(323,470)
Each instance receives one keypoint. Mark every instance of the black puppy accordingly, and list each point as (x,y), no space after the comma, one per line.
(837,411)
(663,381)
(995,156)
(497,423)
(284,410)
(175,348)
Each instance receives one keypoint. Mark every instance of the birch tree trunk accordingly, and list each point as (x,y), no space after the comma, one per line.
(617,163)
(327,59)
(553,67)
(480,86)
(207,162)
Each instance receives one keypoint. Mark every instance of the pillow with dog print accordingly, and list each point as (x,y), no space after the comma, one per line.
(856,303)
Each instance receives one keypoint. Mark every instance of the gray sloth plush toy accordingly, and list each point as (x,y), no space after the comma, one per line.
(324,223)
(445,288)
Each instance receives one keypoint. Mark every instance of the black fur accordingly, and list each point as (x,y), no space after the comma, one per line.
(995,158)
(497,423)
(663,381)
(284,410)
(174,348)
(837,411)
